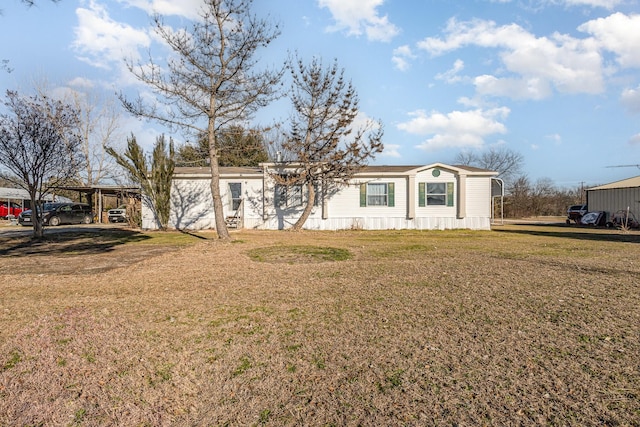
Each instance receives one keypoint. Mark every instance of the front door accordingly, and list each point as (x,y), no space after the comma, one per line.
(235,192)
(234,217)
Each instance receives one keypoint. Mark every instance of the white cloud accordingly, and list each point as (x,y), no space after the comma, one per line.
(360,16)
(101,41)
(476,32)
(555,138)
(185,8)
(401,57)
(391,150)
(537,64)
(635,139)
(617,33)
(452,75)
(457,128)
(607,4)
(516,88)
(81,82)
(630,98)
(475,102)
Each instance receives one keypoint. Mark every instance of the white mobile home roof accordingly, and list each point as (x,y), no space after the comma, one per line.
(258,172)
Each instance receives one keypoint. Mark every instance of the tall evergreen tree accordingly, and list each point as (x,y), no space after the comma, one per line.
(237,147)
(154,179)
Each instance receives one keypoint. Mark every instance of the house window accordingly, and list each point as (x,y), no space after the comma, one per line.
(288,196)
(235,193)
(435,194)
(377,194)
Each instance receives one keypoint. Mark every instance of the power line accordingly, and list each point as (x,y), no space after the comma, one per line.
(624,166)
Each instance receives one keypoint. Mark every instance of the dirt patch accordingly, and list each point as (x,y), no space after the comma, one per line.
(78,252)
(521,326)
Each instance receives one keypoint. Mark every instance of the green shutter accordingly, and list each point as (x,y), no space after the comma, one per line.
(391,194)
(421,195)
(449,193)
(363,195)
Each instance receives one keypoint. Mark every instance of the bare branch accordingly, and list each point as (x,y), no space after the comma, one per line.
(326,146)
(209,82)
(39,145)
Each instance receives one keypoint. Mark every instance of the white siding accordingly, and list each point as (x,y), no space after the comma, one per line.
(192,204)
(439,213)
(478,197)
(276,217)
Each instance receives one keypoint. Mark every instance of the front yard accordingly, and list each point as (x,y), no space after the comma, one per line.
(523,325)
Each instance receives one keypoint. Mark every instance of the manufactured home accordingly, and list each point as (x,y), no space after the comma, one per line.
(435,196)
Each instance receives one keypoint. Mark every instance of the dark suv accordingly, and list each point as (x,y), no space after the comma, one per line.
(575,213)
(60,213)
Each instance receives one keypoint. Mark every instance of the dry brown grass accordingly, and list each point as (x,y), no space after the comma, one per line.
(518,326)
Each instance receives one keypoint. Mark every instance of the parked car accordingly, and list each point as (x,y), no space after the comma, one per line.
(9,208)
(575,212)
(118,215)
(596,218)
(623,219)
(60,213)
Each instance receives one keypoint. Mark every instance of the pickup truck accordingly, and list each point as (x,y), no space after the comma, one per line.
(118,214)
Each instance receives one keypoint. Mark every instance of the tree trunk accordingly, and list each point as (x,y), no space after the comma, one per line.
(221,225)
(311,197)
(38,229)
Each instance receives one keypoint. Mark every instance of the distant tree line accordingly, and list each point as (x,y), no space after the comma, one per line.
(523,198)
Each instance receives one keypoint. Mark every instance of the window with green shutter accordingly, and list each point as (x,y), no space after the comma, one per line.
(377,194)
(449,194)
(435,194)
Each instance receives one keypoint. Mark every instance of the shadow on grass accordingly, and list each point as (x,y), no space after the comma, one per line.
(567,232)
(189,233)
(81,242)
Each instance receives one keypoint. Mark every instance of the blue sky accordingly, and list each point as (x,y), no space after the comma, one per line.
(555,80)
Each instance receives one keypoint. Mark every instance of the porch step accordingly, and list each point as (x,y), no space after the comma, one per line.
(232,221)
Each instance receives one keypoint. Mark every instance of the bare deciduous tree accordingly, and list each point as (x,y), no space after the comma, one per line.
(99,122)
(274,141)
(39,147)
(33,2)
(327,146)
(540,198)
(98,125)
(209,83)
(503,160)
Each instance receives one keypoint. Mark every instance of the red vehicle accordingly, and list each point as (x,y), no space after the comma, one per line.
(9,208)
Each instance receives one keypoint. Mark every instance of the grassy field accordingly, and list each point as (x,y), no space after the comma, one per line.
(522,325)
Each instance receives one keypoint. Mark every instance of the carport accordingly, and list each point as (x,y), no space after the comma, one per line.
(21,197)
(95,196)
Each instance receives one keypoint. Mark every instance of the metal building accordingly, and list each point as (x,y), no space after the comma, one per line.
(616,196)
